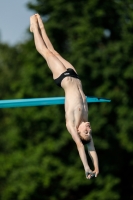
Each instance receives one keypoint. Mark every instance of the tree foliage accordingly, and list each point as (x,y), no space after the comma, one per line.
(38,158)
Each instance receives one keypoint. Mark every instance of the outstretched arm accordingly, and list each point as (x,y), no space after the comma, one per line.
(72,130)
(93,155)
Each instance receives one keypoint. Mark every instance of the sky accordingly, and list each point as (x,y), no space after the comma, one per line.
(14,21)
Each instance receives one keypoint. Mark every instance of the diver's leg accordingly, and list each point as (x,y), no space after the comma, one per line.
(49,44)
(55,65)
(44,34)
(39,44)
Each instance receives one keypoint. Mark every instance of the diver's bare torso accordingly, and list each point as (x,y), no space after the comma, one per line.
(76,108)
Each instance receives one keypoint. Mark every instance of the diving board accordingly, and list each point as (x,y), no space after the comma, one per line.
(13,103)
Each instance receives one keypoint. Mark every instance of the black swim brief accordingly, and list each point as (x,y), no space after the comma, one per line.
(70,72)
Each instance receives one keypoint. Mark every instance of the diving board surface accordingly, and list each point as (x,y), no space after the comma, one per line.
(13,103)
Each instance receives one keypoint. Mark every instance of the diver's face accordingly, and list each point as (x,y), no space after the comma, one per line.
(85,130)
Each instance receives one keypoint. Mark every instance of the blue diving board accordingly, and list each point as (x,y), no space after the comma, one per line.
(13,103)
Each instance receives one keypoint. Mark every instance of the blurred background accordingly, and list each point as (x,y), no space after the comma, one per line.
(14,21)
(38,159)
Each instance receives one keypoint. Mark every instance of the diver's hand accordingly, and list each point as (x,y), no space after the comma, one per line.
(96,172)
(89,174)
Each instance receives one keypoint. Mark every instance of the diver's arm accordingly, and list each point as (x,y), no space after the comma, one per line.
(72,130)
(94,157)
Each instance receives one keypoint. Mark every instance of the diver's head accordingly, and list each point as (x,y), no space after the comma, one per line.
(84,131)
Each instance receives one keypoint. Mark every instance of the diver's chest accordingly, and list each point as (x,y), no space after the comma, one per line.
(80,112)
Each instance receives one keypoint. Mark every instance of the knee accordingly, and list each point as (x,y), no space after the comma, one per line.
(44,52)
(48,53)
(55,53)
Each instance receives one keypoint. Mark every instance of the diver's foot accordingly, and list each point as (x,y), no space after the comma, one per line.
(33,23)
(40,22)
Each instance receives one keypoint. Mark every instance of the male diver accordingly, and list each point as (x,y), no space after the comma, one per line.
(76,107)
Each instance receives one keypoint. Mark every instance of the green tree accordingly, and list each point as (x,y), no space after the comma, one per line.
(38,159)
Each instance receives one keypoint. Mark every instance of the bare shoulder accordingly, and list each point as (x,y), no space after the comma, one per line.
(69,119)
(69,126)
(73,131)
